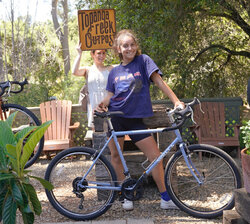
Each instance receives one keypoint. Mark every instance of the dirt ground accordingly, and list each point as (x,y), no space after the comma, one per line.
(147,207)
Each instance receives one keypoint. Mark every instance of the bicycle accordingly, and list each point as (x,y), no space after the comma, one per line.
(24,116)
(200,179)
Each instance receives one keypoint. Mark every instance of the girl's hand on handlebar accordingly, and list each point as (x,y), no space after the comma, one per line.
(180,105)
(102,108)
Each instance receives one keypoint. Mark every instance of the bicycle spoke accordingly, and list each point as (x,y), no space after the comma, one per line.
(76,198)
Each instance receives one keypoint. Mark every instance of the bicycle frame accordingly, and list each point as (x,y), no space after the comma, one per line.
(148,170)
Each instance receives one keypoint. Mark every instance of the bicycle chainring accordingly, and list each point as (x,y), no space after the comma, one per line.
(130,193)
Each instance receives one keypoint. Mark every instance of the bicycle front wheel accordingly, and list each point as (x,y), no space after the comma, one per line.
(88,201)
(24,118)
(220,176)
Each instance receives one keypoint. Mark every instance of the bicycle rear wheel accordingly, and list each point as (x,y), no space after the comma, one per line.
(80,203)
(24,118)
(221,176)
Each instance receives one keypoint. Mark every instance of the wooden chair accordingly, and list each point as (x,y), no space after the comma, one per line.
(211,127)
(59,135)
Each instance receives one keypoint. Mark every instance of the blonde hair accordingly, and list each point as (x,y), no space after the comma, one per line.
(117,41)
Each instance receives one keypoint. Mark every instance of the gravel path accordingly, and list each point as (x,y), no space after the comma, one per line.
(147,207)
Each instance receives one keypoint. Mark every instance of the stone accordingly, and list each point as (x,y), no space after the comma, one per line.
(99,139)
(231,217)
(98,123)
(242,203)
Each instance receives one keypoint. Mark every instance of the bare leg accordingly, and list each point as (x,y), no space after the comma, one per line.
(117,164)
(115,158)
(150,149)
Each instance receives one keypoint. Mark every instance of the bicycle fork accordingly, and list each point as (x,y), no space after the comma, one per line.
(196,174)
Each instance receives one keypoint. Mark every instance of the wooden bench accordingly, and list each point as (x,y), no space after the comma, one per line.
(211,126)
(232,116)
(60,133)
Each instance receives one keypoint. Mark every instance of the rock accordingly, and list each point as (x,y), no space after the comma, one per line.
(242,203)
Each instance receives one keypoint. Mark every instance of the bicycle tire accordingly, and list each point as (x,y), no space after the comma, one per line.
(25,117)
(67,168)
(221,175)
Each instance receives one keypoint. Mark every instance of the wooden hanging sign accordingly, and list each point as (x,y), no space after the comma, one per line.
(96,28)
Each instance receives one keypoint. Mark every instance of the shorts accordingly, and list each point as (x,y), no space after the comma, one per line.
(129,124)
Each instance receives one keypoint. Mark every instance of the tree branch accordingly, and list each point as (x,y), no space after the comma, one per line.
(231,15)
(230,52)
(235,16)
(57,27)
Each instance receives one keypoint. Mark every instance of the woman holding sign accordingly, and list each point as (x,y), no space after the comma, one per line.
(96,78)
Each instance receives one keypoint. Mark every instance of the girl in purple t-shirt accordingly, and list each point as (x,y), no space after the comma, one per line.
(128,91)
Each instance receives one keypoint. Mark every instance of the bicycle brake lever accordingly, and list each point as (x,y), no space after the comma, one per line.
(192,116)
(200,106)
(8,91)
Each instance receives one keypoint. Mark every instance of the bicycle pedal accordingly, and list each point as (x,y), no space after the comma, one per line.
(121,196)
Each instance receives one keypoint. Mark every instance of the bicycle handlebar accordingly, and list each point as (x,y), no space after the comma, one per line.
(107,114)
(8,84)
(183,113)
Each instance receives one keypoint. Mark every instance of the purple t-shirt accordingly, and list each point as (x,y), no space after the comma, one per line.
(130,85)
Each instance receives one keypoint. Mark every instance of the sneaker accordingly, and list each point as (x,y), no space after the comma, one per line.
(168,204)
(127,205)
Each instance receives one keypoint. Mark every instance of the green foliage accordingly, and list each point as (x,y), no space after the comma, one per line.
(245,132)
(16,191)
(42,66)
(174,33)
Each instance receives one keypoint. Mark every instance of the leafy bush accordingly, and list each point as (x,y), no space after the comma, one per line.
(245,130)
(16,192)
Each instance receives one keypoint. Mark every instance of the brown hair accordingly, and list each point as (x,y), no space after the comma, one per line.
(117,41)
(93,51)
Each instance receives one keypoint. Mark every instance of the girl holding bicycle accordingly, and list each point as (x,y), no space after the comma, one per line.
(128,91)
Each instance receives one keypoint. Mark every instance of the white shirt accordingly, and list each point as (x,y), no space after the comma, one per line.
(97,82)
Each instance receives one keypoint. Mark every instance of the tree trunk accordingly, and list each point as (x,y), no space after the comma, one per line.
(62,35)
(13,42)
(1,60)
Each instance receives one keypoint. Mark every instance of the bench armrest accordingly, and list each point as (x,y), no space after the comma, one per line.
(74,126)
